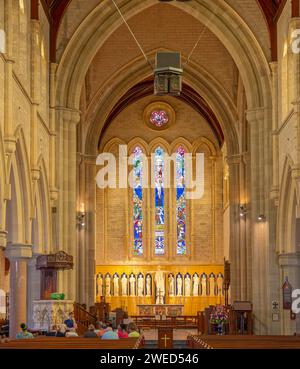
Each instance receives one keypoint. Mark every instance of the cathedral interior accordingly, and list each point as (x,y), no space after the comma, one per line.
(80,82)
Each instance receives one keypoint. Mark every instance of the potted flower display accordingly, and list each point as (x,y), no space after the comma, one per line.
(219,316)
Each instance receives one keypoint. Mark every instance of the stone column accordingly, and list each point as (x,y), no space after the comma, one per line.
(289,267)
(3,235)
(18,256)
(33,289)
(88,273)
(263,234)
(234,240)
(35,96)
(67,198)
(275,138)
(86,167)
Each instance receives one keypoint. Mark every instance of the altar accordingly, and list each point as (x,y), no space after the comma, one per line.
(163,309)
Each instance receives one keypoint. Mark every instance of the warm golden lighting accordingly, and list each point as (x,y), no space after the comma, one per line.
(21,5)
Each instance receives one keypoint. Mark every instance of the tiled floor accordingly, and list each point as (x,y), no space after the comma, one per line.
(179,334)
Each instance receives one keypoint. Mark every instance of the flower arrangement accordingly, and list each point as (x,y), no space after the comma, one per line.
(219,315)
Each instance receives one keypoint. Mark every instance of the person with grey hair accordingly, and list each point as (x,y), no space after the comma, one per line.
(90,333)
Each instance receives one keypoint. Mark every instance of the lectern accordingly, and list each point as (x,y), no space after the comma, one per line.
(49,265)
(165,338)
(241,318)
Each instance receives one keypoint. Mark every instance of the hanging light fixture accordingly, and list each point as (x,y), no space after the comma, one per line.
(168,74)
(167,70)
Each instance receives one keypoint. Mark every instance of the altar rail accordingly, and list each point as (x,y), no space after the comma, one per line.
(176,322)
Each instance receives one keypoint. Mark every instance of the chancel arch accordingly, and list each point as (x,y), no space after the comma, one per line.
(248,55)
(173,224)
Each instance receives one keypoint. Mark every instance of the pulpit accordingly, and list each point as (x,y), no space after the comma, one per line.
(165,338)
(49,265)
(46,313)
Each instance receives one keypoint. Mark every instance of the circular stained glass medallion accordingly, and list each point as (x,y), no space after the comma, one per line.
(159,118)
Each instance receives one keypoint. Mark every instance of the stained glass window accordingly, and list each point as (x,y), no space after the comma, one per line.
(138,201)
(159,118)
(180,202)
(159,201)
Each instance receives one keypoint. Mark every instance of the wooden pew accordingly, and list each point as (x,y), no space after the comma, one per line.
(74,343)
(243,342)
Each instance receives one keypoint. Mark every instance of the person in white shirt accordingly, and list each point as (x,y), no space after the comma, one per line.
(71,332)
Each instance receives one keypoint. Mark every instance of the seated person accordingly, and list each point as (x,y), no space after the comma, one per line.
(90,333)
(61,331)
(4,339)
(110,334)
(98,328)
(102,330)
(122,333)
(133,331)
(70,322)
(24,334)
(52,332)
(71,332)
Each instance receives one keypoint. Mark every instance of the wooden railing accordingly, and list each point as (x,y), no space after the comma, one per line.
(176,322)
(83,318)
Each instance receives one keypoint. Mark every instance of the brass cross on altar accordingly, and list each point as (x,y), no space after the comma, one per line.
(165,338)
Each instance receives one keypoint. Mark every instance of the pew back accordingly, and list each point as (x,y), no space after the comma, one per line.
(243,342)
(73,343)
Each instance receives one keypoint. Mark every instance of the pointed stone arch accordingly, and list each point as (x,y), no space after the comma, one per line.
(137,141)
(203,141)
(227,25)
(181,141)
(41,225)
(20,203)
(287,213)
(195,76)
(159,142)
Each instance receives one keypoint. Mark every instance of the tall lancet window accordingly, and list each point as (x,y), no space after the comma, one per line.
(159,201)
(180,202)
(138,201)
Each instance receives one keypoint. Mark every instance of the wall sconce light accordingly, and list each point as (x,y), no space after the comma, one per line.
(81,219)
(261,218)
(243,211)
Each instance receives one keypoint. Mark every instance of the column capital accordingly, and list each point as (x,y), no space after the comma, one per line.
(289,259)
(3,238)
(256,114)
(87,159)
(33,259)
(70,115)
(10,143)
(18,251)
(234,159)
(274,67)
(294,23)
